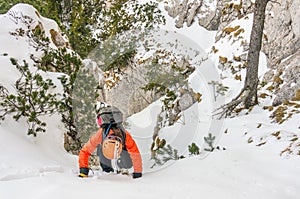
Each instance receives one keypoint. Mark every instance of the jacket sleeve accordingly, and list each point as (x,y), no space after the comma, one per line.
(89,148)
(134,153)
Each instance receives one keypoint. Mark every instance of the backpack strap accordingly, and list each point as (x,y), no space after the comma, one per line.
(121,128)
(105,132)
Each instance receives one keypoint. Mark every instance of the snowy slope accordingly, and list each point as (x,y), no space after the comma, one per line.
(39,168)
(241,171)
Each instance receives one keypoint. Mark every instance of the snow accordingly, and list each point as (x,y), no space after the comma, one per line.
(196,33)
(40,168)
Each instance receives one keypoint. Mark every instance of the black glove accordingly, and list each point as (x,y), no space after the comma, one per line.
(83,172)
(137,175)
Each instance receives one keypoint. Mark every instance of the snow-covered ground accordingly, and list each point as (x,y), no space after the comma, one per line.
(39,168)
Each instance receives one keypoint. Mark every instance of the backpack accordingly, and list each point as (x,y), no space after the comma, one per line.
(112,119)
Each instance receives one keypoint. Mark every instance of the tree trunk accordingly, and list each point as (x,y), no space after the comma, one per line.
(251,81)
(248,95)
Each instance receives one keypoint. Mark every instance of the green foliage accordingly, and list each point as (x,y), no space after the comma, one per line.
(126,15)
(210,141)
(48,8)
(79,92)
(194,149)
(218,88)
(116,52)
(79,19)
(83,102)
(80,24)
(64,61)
(61,60)
(32,99)
(162,152)
(70,66)
(263,83)
(56,60)
(4,6)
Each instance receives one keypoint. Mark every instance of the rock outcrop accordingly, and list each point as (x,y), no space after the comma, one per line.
(128,94)
(187,12)
(282,31)
(288,72)
(282,47)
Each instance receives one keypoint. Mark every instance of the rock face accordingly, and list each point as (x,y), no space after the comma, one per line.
(282,47)
(212,15)
(290,69)
(282,29)
(188,12)
(58,39)
(128,94)
(231,11)
(185,11)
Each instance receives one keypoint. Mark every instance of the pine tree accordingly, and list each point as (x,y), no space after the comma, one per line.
(210,141)
(163,152)
(32,99)
(194,149)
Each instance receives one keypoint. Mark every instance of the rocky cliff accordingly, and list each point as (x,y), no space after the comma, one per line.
(281,35)
(282,47)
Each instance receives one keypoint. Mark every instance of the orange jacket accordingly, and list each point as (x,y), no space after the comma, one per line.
(96,139)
